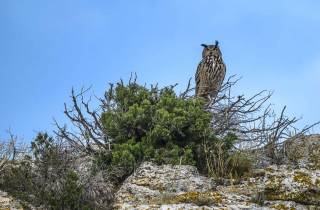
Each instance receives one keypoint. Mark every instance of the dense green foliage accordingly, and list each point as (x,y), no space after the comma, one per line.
(158,125)
(154,124)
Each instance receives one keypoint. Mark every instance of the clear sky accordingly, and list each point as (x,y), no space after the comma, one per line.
(47,47)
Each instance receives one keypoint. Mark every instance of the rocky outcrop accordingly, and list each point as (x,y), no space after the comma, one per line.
(9,203)
(166,186)
(182,187)
(298,185)
(294,185)
(303,152)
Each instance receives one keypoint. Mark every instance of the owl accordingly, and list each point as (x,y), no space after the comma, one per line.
(210,72)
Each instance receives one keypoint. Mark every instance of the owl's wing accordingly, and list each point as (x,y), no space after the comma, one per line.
(223,70)
(197,76)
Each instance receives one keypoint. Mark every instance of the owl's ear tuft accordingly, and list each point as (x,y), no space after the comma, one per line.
(217,43)
(204,45)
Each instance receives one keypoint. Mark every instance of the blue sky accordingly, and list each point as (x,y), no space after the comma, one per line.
(47,47)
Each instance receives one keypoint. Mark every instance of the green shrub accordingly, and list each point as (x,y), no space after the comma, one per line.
(46,178)
(18,179)
(57,184)
(173,154)
(69,196)
(127,154)
(158,125)
(153,124)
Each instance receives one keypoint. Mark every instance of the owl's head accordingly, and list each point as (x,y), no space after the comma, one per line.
(211,50)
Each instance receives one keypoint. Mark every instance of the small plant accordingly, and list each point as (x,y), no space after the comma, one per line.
(223,161)
(258,198)
(240,164)
(71,193)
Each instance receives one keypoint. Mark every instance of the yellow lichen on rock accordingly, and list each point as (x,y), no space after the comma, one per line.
(293,185)
(198,198)
(282,207)
(302,178)
(141,182)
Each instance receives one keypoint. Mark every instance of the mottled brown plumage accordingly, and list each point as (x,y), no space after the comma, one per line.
(210,72)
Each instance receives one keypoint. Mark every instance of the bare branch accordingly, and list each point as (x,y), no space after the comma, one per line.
(90,135)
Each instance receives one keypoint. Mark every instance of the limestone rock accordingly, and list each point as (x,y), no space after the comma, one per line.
(303,152)
(9,203)
(175,187)
(299,185)
(182,187)
(153,184)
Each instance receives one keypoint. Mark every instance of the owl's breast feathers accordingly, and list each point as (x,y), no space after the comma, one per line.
(209,76)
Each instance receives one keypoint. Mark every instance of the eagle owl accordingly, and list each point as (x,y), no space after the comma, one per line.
(210,72)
